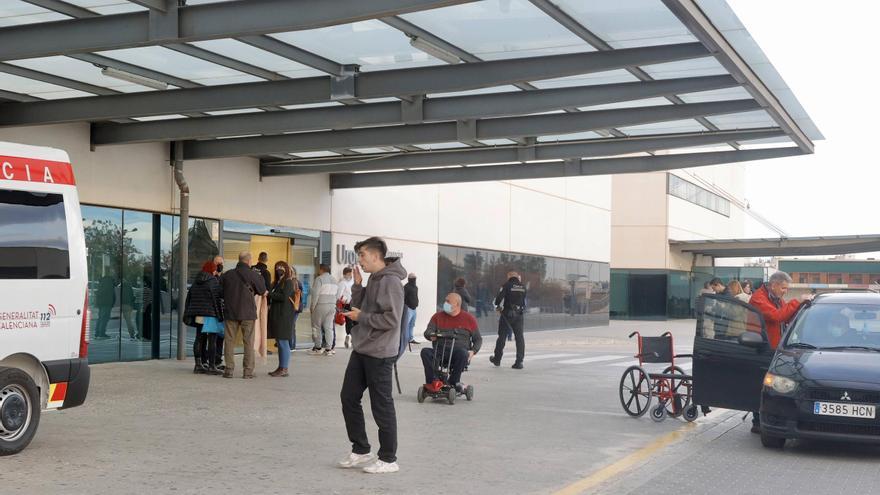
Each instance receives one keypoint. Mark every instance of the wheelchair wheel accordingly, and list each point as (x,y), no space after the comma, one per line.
(658,412)
(681,391)
(469,392)
(635,391)
(450,396)
(421,395)
(691,413)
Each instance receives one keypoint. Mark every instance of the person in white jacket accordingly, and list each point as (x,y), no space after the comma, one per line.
(344,294)
(322,304)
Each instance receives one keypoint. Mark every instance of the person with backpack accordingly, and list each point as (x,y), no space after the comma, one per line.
(376,340)
(281,316)
(203,310)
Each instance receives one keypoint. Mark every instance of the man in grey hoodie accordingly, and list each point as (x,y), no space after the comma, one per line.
(378,311)
(323,306)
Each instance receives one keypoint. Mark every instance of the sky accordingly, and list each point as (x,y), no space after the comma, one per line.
(826,52)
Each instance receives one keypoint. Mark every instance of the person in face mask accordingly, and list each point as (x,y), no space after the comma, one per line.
(281,316)
(343,298)
(218,358)
(451,321)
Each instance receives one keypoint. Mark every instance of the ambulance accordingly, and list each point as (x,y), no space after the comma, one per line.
(43,291)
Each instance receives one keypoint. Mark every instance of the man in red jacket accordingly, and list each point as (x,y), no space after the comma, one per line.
(768,299)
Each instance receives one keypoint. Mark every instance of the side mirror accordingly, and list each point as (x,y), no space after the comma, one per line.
(752,339)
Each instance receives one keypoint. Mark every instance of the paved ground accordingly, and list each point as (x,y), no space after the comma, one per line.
(555,427)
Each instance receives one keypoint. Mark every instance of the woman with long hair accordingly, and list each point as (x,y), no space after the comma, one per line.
(281,315)
(735,289)
(204,309)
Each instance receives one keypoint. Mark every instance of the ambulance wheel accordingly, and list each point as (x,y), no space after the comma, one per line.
(691,413)
(19,410)
(421,395)
(469,392)
(450,396)
(658,412)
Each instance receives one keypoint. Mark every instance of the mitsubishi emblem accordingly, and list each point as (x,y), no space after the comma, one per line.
(845,396)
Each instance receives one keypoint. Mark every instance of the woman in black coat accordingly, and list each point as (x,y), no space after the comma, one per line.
(281,315)
(204,307)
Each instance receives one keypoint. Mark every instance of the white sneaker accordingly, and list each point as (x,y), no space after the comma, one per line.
(315,352)
(382,467)
(329,352)
(355,460)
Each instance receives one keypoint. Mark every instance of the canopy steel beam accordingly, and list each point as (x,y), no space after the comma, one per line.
(152,4)
(690,14)
(56,80)
(398,82)
(566,168)
(294,53)
(512,154)
(64,8)
(462,130)
(409,112)
(197,22)
(103,61)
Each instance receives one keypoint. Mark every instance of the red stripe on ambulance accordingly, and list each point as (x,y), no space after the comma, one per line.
(33,170)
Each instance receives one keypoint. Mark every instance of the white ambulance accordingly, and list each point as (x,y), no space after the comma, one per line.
(43,291)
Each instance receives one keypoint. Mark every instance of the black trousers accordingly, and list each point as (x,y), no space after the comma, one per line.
(365,372)
(506,323)
(459,360)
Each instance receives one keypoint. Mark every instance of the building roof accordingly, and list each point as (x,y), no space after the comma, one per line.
(406,91)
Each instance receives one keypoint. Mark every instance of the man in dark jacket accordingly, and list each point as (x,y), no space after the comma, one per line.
(511,303)
(452,322)
(240,285)
(262,268)
(410,303)
(378,311)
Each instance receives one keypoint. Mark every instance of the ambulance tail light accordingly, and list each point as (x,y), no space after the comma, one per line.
(84,331)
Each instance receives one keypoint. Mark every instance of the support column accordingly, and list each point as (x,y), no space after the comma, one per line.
(183,255)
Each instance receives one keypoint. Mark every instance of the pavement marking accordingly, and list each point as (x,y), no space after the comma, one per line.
(625,464)
(547,356)
(594,359)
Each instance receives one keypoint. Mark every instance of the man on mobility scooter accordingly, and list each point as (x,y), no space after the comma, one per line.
(456,339)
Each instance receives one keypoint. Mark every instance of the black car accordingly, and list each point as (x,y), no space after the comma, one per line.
(822,383)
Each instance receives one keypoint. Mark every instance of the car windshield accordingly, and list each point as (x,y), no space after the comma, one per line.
(842,326)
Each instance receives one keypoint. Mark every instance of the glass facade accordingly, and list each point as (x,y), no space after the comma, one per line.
(661,294)
(562,293)
(688,191)
(132,280)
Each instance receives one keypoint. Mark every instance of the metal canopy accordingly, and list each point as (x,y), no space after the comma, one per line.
(405,84)
(786,246)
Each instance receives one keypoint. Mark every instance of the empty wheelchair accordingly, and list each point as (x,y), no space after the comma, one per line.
(442,366)
(673,388)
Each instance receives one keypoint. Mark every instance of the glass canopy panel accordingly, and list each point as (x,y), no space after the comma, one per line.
(706,66)
(255,56)
(737,93)
(648,102)
(608,77)
(78,71)
(178,64)
(628,24)
(499,29)
(16,84)
(108,7)
(63,94)
(314,154)
(481,91)
(497,142)
(568,137)
(17,12)
(745,120)
(675,126)
(371,44)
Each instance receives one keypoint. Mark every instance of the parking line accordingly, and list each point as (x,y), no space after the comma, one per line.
(594,359)
(626,463)
(547,356)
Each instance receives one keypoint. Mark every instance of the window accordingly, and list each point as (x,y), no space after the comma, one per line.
(33,236)
(855,278)
(692,193)
(802,278)
(835,278)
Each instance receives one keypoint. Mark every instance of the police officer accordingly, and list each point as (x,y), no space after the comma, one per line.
(511,303)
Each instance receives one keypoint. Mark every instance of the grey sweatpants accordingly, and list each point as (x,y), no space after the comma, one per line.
(322,325)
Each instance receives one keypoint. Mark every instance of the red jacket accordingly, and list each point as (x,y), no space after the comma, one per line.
(774,316)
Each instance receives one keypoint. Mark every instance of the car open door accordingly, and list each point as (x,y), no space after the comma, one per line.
(731,354)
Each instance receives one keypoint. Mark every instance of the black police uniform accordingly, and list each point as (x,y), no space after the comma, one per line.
(512,299)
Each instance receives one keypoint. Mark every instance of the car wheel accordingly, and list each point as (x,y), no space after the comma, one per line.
(19,410)
(772,442)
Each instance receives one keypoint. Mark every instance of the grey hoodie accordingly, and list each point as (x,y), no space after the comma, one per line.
(377,333)
(323,291)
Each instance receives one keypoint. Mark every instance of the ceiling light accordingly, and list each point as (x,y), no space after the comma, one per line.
(434,50)
(133,78)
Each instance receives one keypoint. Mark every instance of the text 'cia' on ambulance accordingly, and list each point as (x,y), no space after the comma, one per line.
(43,291)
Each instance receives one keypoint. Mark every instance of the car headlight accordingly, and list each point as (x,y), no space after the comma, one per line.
(780,384)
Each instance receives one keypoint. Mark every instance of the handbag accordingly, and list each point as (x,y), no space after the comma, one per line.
(296,300)
(339,319)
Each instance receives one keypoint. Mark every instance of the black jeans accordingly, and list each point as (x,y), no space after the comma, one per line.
(199,344)
(365,372)
(459,360)
(506,323)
